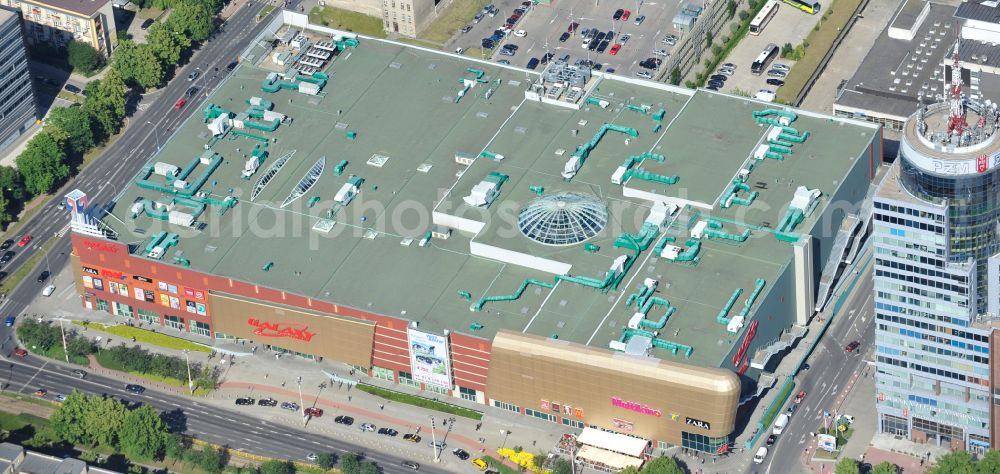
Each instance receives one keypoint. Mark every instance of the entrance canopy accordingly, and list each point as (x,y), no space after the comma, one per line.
(605,458)
(615,442)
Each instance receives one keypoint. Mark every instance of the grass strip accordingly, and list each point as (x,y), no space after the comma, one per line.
(346,20)
(819,41)
(421,402)
(451,19)
(147,337)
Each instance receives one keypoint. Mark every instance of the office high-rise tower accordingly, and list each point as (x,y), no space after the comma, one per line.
(17,99)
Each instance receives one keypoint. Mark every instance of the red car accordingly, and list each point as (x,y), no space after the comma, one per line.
(615,48)
(20,352)
(852,346)
(572,27)
(800,396)
(179,104)
(24,241)
(625,15)
(314,412)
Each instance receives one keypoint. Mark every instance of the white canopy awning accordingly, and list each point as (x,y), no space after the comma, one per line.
(618,443)
(610,459)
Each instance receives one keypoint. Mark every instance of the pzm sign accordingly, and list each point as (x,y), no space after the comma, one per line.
(700,424)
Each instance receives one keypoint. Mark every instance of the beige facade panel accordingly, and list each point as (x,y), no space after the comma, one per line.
(343,339)
(645,397)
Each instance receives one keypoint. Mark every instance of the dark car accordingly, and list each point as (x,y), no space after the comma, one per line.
(563,37)
(593,45)
(135,388)
(771,439)
(6,244)
(853,346)
(72,88)
(245,401)
(290,406)
(7,256)
(532,63)
(232,65)
(387,431)
(603,46)
(546,58)
(512,47)
(192,91)
(344,420)
(488,43)
(716,84)
(718,77)
(618,14)
(461,453)
(610,36)
(600,37)
(43,276)
(267,402)
(775,82)
(146,24)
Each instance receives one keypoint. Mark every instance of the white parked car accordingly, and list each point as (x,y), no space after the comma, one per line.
(765,95)
(459,50)
(781,67)
(644,74)
(520,33)
(660,52)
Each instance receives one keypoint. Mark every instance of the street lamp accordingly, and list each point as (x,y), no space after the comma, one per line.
(156,133)
(63,330)
(302,403)
(188,362)
(434,445)
(504,433)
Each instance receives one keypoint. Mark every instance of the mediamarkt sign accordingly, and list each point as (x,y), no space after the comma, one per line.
(282,329)
(636,407)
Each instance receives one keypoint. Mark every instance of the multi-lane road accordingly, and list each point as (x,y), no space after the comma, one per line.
(146,131)
(831,371)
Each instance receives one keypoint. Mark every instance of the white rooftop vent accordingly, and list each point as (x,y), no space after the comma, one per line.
(377,160)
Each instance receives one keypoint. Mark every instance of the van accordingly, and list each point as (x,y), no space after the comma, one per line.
(758,458)
(779,424)
(49,290)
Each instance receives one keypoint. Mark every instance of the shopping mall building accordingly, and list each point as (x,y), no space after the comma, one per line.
(620,254)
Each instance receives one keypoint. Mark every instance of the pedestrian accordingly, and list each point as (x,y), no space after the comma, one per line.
(282,383)
(348,398)
(381,406)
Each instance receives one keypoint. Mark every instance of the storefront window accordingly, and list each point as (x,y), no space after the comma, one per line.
(702,443)
(468,394)
(200,328)
(405,378)
(573,423)
(102,305)
(175,322)
(382,373)
(122,309)
(506,406)
(436,389)
(540,414)
(149,317)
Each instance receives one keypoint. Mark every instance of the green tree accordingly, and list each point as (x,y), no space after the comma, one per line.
(79,346)
(662,465)
(369,467)
(709,38)
(42,163)
(192,17)
(847,466)
(326,460)
(630,470)
(212,460)
(105,102)
(138,64)
(731,8)
(276,466)
(988,464)
(561,466)
(68,419)
(77,127)
(11,183)
(787,49)
(675,76)
(104,421)
(957,462)
(885,467)
(174,446)
(83,57)
(744,15)
(143,435)
(349,463)
(166,44)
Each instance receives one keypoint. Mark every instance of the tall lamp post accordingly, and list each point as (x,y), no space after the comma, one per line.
(63,330)
(187,361)
(434,445)
(302,403)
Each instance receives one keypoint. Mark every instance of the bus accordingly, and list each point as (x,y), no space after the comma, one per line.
(808,6)
(764,59)
(763,17)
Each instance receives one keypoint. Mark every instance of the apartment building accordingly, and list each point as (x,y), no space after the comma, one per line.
(17,98)
(410,17)
(57,22)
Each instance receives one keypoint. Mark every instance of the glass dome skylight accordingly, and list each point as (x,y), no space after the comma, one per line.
(562,219)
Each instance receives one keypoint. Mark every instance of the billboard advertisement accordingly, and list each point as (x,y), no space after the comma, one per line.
(429,358)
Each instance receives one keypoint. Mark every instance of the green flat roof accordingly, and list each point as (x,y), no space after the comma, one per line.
(400,102)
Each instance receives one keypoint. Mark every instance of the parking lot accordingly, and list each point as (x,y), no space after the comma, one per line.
(787,26)
(470,40)
(544,24)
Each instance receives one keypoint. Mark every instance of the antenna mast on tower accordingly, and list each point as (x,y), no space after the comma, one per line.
(957,114)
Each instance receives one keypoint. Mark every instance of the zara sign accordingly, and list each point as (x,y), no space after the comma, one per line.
(700,424)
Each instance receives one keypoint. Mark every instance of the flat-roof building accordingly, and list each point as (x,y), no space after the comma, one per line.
(445,223)
(57,22)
